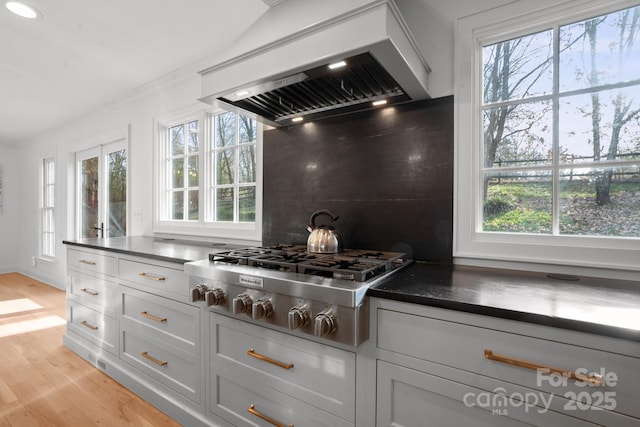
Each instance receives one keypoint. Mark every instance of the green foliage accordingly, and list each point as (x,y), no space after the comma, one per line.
(496,206)
(519,207)
(521,221)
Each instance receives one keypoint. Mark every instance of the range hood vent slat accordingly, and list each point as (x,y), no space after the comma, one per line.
(322,91)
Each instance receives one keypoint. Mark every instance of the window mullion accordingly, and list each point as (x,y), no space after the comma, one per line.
(555,186)
(236,173)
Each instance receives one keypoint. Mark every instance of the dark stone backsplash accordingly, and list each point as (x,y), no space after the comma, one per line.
(388,174)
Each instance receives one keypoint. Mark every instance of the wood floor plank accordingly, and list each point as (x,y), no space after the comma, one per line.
(42,383)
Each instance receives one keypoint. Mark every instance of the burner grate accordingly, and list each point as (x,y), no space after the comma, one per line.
(356,265)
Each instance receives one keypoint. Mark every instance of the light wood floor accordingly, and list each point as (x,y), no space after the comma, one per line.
(44,384)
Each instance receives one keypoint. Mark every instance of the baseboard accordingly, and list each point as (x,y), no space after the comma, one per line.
(8,269)
(52,283)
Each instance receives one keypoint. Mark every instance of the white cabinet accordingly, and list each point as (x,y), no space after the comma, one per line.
(255,372)
(131,317)
(92,298)
(158,278)
(407,397)
(161,338)
(435,365)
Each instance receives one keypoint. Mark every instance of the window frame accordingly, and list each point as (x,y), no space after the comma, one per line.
(240,232)
(47,205)
(606,256)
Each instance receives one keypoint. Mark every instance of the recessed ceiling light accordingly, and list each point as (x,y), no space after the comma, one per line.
(242,93)
(296,119)
(337,65)
(379,102)
(23,9)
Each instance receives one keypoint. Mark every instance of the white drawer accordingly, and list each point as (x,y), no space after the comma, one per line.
(408,398)
(321,375)
(95,327)
(91,262)
(171,366)
(174,319)
(93,291)
(157,279)
(463,346)
(244,402)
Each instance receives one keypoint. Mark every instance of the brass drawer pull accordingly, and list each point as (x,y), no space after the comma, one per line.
(90,292)
(152,317)
(87,325)
(594,380)
(252,409)
(152,277)
(153,359)
(283,365)
(85,261)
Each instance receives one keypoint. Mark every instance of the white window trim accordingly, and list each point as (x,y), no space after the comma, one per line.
(605,256)
(240,232)
(43,187)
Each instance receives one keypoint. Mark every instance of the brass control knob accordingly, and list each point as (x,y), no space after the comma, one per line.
(299,317)
(261,309)
(214,297)
(324,324)
(242,304)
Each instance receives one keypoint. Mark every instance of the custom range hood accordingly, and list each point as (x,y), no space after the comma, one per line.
(336,64)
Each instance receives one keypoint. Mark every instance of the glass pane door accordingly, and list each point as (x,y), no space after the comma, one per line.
(116,200)
(102,191)
(88,194)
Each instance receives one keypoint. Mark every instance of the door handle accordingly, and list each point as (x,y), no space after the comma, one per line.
(101,228)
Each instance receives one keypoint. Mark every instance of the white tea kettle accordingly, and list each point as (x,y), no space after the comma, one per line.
(324,239)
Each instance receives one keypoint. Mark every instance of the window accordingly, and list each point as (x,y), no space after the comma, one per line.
(233,158)
(183,158)
(208,175)
(47,221)
(554,165)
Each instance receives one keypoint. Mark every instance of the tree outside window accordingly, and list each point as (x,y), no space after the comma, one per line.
(561,120)
(183,166)
(234,167)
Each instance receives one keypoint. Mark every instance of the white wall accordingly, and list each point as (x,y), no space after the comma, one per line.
(10,224)
(434,34)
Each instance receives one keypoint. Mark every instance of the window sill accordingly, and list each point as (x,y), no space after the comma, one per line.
(237,233)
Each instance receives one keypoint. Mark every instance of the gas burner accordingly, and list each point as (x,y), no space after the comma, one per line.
(356,265)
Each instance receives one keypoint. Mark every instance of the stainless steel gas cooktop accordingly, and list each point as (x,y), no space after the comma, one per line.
(288,288)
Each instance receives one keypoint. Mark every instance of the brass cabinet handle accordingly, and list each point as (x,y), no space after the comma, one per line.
(594,380)
(152,277)
(86,261)
(252,409)
(89,291)
(283,365)
(152,317)
(87,325)
(153,359)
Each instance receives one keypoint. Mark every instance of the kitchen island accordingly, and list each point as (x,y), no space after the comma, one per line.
(441,339)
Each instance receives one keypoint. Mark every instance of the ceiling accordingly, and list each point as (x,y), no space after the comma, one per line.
(84,54)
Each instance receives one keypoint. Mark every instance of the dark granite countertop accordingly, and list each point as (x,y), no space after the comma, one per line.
(600,306)
(162,249)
